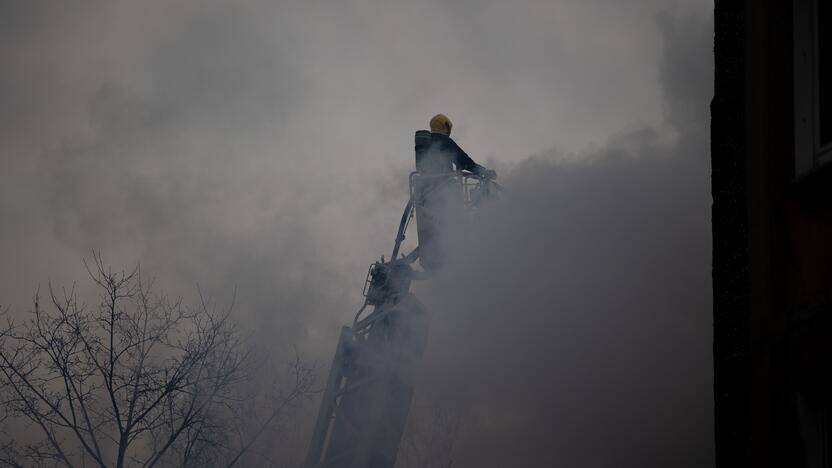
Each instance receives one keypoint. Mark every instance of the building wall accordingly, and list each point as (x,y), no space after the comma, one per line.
(730,236)
(772,259)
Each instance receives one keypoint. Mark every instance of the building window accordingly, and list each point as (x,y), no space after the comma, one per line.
(812,84)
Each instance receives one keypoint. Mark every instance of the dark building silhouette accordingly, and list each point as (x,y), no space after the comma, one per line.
(771,140)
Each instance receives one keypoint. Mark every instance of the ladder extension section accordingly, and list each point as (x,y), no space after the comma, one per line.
(367,397)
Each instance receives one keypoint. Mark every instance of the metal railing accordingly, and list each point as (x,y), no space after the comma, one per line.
(475,188)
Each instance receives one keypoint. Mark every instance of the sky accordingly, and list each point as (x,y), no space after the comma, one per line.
(265,146)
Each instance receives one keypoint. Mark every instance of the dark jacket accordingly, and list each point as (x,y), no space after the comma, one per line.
(442,154)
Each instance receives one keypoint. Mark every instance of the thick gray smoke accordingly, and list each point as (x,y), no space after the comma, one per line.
(265,145)
(571,328)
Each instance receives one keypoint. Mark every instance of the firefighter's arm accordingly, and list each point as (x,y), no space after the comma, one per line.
(464,162)
(468,164)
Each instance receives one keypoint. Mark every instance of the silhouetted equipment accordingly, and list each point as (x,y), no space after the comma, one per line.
(367,397)
(368,393)
(421,144)
(437,197)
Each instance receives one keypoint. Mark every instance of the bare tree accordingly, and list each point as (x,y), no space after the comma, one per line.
(137,380)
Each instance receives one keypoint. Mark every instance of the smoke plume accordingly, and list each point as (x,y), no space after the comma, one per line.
(266,145)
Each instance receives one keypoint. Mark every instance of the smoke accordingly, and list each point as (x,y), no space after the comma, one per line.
(266,145)
(571,325)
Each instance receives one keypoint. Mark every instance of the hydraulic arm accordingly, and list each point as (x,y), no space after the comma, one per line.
(368,393)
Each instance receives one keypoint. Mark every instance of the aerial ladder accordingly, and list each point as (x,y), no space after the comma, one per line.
(367,397)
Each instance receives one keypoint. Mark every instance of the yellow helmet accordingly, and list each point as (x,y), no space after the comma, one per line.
(440,123)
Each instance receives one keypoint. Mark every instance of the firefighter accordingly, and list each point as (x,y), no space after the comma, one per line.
(437,197)
(440,154)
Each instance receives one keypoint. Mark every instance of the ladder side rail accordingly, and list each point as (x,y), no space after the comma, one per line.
(322,424)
